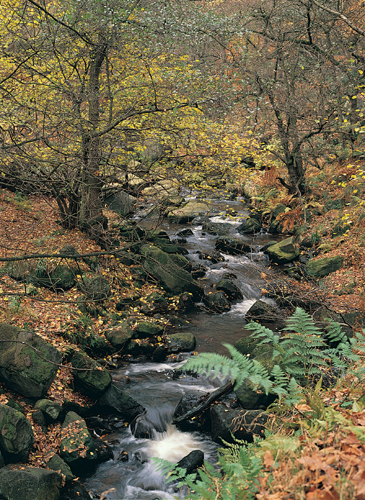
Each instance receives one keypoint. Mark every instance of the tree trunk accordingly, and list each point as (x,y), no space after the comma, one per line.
(91,217)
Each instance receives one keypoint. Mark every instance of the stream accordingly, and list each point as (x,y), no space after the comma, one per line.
(132,474)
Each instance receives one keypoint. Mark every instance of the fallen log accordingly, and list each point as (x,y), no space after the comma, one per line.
(205,404)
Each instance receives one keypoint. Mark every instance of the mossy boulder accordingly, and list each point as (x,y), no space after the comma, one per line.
(249,226)
(77,446)
(50,409)
(284,251)
(172,277)
(230,289)
(322,267)
(217,228)
(120,334)
(29,483)
(216,302)
(92,382)
(56,463)
(189,211)
(16,435)
(148,329)
(21,368)
(252,399)
(246,345)
(181,342)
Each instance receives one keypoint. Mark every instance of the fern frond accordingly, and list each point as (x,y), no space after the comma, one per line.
(335,333)
(302,322)
(260,331)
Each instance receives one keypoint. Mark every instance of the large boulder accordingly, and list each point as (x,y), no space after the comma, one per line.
(230,289)
(284,251)
(243,424)
(28,365)
(78,449)
(172,277)
(217,228)
(322,267)
(216,302)
(188,212)
(29,483)
(263,311)
(181,342)
(120,334)
(56,463)
(114,400)
(16,435)
(191,461)
(90,378)
(249,226)
(117,200)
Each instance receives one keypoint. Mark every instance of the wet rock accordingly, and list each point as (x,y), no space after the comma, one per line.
(185,232)
(198,271)
(249,226)
(171,276)
(187,403)
(323,267)
(16,435)
(232,246)
(21,368)
(29,483)
(284,251)
(189,211)
(230,289)
(216,302)
(123,456)
(103,450)
(192,461)
(243,424)
(181,342)
(92,382)
(159,354)
(262,311)
(116,401)
(217,228)
(213,257)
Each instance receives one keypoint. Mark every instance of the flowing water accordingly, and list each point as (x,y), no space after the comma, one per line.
(155,385)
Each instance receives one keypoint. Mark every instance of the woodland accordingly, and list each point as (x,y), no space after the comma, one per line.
(150,99)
